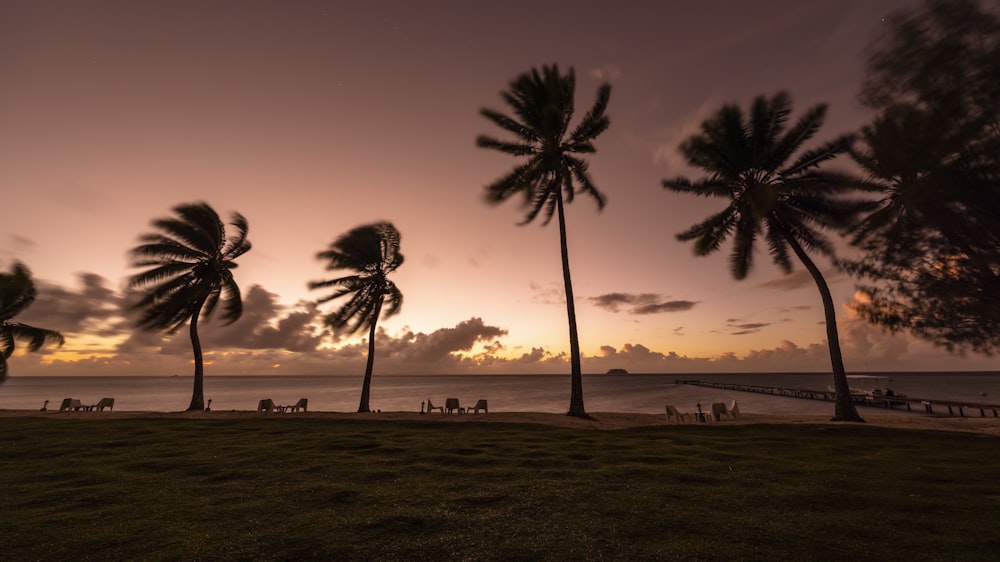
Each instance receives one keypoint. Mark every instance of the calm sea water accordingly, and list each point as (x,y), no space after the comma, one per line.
(506,393)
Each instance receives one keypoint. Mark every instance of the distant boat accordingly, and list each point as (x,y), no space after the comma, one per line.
(617,372)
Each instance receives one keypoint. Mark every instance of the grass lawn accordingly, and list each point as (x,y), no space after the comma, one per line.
(310,488)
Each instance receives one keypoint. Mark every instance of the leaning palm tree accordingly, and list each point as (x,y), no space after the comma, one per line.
(17,292)
(190,265)
(372,252)
(787,203)
(542,102)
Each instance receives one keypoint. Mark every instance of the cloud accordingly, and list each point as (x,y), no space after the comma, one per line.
(607,72)
(442,343)
(644,303)
(93,307)
(798,279)
(743,328)
(551,294)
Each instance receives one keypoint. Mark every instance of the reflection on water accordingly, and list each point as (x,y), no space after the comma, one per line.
(506,393)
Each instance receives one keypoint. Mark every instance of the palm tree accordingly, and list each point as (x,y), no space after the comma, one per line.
(787,203)
(372,252)
(542,102)
(17,292)
(190,270)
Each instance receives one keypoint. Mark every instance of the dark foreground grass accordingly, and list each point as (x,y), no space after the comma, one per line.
(251,489)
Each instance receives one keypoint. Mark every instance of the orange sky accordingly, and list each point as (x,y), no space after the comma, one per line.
(310,118)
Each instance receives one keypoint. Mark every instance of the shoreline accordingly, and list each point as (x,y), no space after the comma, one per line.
(602,420)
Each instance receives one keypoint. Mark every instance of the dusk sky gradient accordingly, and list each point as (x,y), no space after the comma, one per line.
(311,118)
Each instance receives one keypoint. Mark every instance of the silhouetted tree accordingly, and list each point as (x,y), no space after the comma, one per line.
(17,292)
(190,263)
(787,203)
(542,102)
(372,252)
(931,253)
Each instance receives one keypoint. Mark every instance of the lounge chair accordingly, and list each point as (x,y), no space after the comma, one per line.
(302,404)
(733,411)
(103,403)
(265,406)
(720,410)
(70,404)
(432,407)
(481,405)
(673,414)
(451,405)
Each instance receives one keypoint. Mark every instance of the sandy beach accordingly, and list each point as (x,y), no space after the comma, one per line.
(601,421)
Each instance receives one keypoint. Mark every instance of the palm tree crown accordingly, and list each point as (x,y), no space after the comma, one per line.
(542,102)
(190,263)
(17,292)
(787,203)
(372,252)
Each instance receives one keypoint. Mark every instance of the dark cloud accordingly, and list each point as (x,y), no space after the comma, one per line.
(643,303)
(551,294)
(798,279)
(265,324)
(441,343)
(745,328)
(93,307)
(668,306)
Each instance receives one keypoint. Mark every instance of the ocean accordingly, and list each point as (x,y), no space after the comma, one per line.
(634,393)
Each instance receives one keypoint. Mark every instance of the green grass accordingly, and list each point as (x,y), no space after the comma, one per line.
(250,489)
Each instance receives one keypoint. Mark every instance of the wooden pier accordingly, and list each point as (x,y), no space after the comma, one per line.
(926,405)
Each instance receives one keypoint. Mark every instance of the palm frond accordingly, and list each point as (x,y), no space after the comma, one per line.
(815,157)
(803,130)
(579,169)
(594,122)
(741,257)
(17,291)
(710,233)
(767,122)
(777,247)
(6,342)
(37,337)
(526,134)
(707,187)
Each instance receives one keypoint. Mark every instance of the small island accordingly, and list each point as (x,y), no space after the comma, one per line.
(617,372)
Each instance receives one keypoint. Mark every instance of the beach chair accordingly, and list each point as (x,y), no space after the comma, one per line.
(481,405)
(302,404)
(265,406)
(733,411)
(103,403)
(432,407)
(70,404)
(451,405)
(720,410)
(673,414)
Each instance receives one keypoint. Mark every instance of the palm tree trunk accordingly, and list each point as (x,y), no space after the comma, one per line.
(576,375)
(844,409)
(363,408)
(198,394)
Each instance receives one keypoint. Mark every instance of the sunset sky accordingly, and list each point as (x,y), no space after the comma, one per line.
(311,118)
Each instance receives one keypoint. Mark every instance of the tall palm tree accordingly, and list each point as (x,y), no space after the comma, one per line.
(17,292)
(747,159)
(191,264)
(372,252)
(542,102)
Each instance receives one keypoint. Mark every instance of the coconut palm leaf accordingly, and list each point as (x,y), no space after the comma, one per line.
(17,293)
